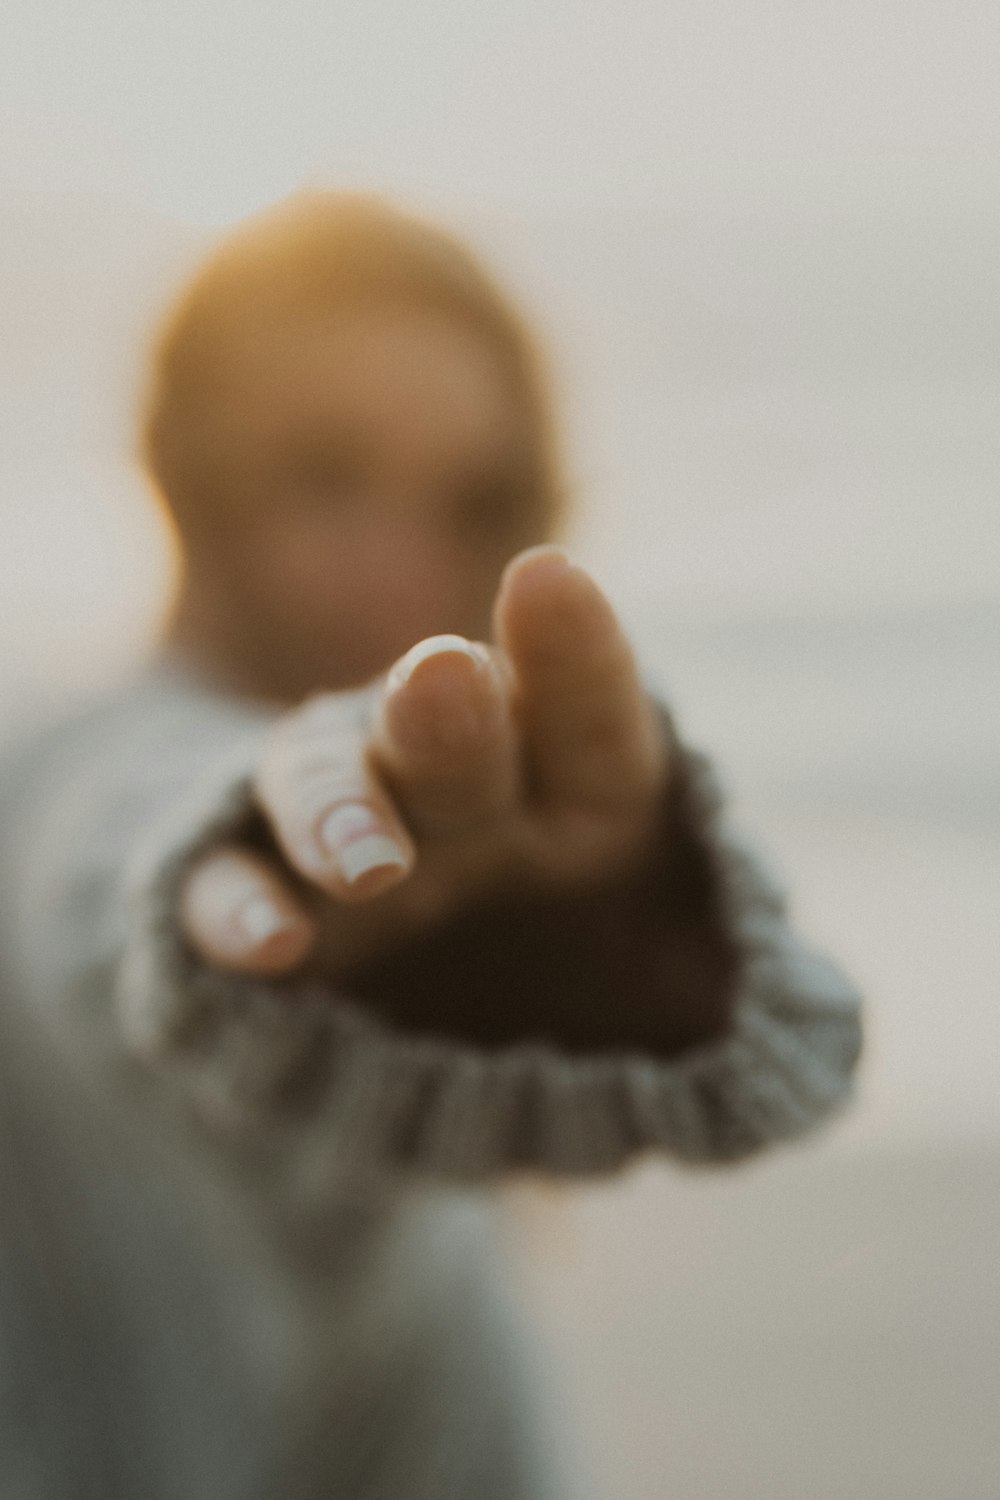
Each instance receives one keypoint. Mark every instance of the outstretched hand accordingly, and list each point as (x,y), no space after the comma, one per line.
(534,763)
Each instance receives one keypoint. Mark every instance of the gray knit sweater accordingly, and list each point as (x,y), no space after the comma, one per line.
(244,1244)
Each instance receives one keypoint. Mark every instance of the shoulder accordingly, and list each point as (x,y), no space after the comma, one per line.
(113,754)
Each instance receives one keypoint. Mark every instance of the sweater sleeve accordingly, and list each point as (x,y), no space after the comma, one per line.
(678,1012)
(328,1079)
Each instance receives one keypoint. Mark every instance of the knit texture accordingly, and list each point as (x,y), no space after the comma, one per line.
(274,1278)
(253,1053)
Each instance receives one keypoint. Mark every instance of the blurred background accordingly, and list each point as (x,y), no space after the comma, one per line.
(763,244)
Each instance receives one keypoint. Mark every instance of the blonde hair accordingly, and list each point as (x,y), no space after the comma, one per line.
(309,255)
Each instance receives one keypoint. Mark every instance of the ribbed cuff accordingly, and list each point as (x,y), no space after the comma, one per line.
(298,1056)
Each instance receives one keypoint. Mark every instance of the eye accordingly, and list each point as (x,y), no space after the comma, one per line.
(324,473)
(493,507)
(324,478)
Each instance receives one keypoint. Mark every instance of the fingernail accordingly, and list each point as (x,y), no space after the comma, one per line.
(259,919)
(352,835)
(374,853)
(436,645)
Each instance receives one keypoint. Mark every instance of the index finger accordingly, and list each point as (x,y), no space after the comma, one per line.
(591,734)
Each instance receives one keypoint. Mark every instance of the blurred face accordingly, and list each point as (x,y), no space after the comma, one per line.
(371,484)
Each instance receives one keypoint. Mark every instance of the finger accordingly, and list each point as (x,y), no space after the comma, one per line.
(591,734)
(238,915)
(334,820)
(444,737)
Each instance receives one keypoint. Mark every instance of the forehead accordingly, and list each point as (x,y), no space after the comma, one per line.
(403,382)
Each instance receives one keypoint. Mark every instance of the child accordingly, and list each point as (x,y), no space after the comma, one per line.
(385,879)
